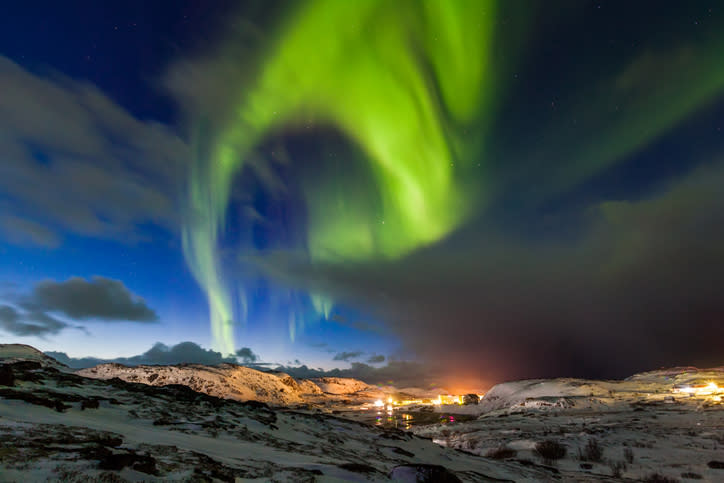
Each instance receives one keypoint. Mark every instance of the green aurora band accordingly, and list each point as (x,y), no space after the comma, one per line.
(403,81)
(395,78)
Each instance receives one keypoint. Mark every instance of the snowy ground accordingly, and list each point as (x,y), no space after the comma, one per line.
(57,425)
(630,429)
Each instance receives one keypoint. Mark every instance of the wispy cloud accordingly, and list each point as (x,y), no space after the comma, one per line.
(76,162)
(346,356)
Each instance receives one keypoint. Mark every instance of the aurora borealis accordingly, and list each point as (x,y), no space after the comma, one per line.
(398,80)
(518,186)
(404,82)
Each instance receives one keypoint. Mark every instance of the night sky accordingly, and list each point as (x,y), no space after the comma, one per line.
(411,192)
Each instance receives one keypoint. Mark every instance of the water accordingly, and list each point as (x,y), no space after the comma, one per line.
(406,420)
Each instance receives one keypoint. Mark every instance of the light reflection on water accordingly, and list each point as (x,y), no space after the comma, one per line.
(400,420)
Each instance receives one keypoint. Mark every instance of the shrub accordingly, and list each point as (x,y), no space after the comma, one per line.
(501,453)
(658,478)
(591,452)
(691,476)
(550,450)
(471,399)
(617,468)
(7,378)
(89,404)
(358,467)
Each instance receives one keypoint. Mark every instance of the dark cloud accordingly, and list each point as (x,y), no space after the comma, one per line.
(184,352)
(396,373)
(246,355)
(159,354)
(75,363)
(345,356)
(30,323)
(376,359)
(74,161)
(636,285)
(100,298)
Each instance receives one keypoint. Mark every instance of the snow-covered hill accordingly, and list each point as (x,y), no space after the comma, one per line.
(238,382)
(59,426)
(225,381)
(668,422)
(586,394)
(17,352)
(341,385)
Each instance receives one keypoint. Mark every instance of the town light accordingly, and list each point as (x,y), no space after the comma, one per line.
(708,389)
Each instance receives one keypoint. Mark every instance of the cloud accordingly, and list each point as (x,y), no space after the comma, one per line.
(246,355)
(75,363)
(396,373)
(20,231)
(345,356)
(100,298)
(32,323)
(184,352)
(76,162)
(159,354)
(634,286)
(376,359)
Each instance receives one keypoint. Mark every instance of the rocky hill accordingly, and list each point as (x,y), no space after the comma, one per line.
(58,426)
(341,385)
(241,383)
(17,352)
(664,425)
(225,381)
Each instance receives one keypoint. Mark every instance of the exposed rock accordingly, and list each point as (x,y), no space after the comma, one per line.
(6,376)
(421,473)
(89,404)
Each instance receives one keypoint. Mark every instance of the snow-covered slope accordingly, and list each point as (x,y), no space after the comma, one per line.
(341,385)
(17,352)
(668,422)
(586,394)
(225,381)
(59,426)
(304,387)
